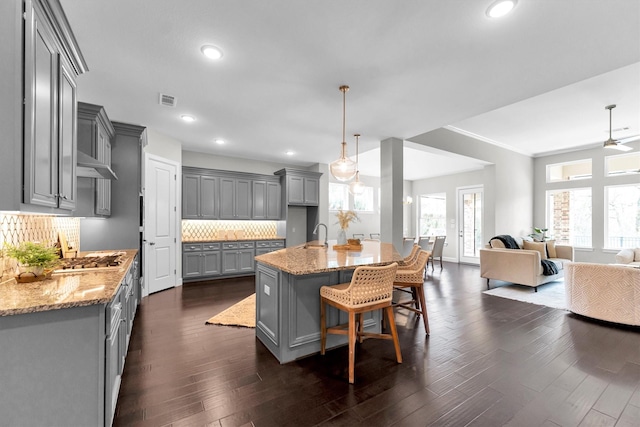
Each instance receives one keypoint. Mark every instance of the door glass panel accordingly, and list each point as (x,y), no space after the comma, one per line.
(472,224)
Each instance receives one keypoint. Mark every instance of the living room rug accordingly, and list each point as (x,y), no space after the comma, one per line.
(550,294)
(242,313)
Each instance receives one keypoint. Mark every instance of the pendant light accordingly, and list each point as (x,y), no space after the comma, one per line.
(356,187)
(343,169)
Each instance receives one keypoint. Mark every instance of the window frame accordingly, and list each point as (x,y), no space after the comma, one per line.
(569,163)
(367,189)
(345,199)
(606,216)
(549,215)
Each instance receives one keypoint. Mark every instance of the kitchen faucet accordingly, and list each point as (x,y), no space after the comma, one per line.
(315,231)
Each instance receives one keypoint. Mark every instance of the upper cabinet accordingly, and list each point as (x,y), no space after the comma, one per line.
(217,194)
(302,187)
(95,136)
(38,100)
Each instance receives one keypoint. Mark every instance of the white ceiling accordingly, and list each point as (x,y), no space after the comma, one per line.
(535,81)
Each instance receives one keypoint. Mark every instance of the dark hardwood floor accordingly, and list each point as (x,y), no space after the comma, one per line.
(489,361)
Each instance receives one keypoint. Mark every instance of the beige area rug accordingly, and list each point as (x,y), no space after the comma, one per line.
(242,313)
(550,294)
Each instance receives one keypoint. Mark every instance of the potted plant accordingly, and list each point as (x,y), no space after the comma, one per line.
(540,233)
(33,259)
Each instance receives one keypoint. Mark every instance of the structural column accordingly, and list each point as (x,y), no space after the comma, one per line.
(391,179)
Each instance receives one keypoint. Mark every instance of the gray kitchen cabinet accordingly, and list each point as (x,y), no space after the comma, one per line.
(199,196)
(266,200)
(238,257)
(302,187)
(200,260)
(95,135)
(49,139)
(235,198)
(266,246)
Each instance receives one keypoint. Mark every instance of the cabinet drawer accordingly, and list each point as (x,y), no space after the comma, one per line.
(191,247)
(246,245)
(230,245)
(277,244)
(263,244)
(211,246)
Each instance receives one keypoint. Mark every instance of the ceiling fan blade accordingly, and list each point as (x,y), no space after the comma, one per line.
(629,139)
(619,147)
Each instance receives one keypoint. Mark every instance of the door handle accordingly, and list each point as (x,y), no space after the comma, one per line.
(152,243)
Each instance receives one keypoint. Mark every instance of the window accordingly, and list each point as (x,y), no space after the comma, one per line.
(569,216)
(363,202)
(338,197)
(622,164)
(569,171)
(623,216)
(433,215)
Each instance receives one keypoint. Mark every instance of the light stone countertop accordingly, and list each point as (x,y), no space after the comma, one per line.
(64,290)
(297,260)
(244,239)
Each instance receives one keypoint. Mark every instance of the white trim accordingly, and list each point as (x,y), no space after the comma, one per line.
(488,140)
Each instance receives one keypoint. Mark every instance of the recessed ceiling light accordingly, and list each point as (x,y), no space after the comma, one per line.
(219,141)
(289,153)
(500,8)
(211,52)
(188,118)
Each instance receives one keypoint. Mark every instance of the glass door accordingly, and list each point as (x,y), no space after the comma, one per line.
(470,221)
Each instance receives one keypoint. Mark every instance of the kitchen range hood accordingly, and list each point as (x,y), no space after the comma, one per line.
(88,167)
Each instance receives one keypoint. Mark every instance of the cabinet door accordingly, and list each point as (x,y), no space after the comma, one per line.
(274,200)
(208,197)
(190,196)
(112,377)
(243,199)
(227,198)
(230,262)
(246,260)
(210,263)
(191,264)
(311,191)
(103,186)
(40,112)
(259,200)
(295,190)
(67,138)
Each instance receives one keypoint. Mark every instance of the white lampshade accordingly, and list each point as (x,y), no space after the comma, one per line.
(343,169)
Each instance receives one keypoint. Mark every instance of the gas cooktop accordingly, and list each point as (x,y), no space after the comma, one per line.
(91,261)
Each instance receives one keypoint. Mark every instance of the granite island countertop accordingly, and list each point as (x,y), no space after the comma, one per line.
(297,260)
(64,290)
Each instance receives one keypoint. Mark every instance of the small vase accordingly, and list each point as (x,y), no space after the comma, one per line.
(342,237)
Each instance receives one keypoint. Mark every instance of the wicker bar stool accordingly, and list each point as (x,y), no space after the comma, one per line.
(371,288)
(412,277)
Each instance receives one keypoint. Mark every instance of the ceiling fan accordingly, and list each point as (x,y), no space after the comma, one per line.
(618,144)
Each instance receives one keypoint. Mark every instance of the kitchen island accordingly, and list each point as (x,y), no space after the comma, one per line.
(288,285)
(64,342)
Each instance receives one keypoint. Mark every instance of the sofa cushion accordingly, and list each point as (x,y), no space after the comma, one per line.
(625,256)
(636,256)
(536,246)
(551,249)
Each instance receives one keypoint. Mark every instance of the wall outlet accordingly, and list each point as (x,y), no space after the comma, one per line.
(267,290)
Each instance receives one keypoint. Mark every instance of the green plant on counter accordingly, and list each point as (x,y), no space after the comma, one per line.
(33,254)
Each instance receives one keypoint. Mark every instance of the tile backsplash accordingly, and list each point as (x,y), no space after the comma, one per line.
(17,228)
(202,231)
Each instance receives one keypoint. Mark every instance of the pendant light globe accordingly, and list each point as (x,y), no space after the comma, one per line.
(343,169)
(356,187)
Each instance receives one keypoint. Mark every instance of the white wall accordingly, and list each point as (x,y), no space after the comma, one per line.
(448,185)
(212,161)
(163,145)
(508,183)
(598,182)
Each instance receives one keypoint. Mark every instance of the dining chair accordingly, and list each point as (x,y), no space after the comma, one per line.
(371,288)
(407,245)
(436,252)
(374,235)
(358,236)
(412,277)
(425,243)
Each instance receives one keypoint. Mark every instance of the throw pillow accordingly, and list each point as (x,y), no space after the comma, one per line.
(625,256)
(636,257)
(536,246)
(551,249)
(496,243)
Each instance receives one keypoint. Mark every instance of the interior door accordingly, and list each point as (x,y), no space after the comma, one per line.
(160,210)
(470,221)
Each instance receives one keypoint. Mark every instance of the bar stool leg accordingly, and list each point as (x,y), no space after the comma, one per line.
(352,346)
(425,317)
(323,326)
(394,332)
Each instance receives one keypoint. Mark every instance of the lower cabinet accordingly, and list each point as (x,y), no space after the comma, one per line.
(223,259)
